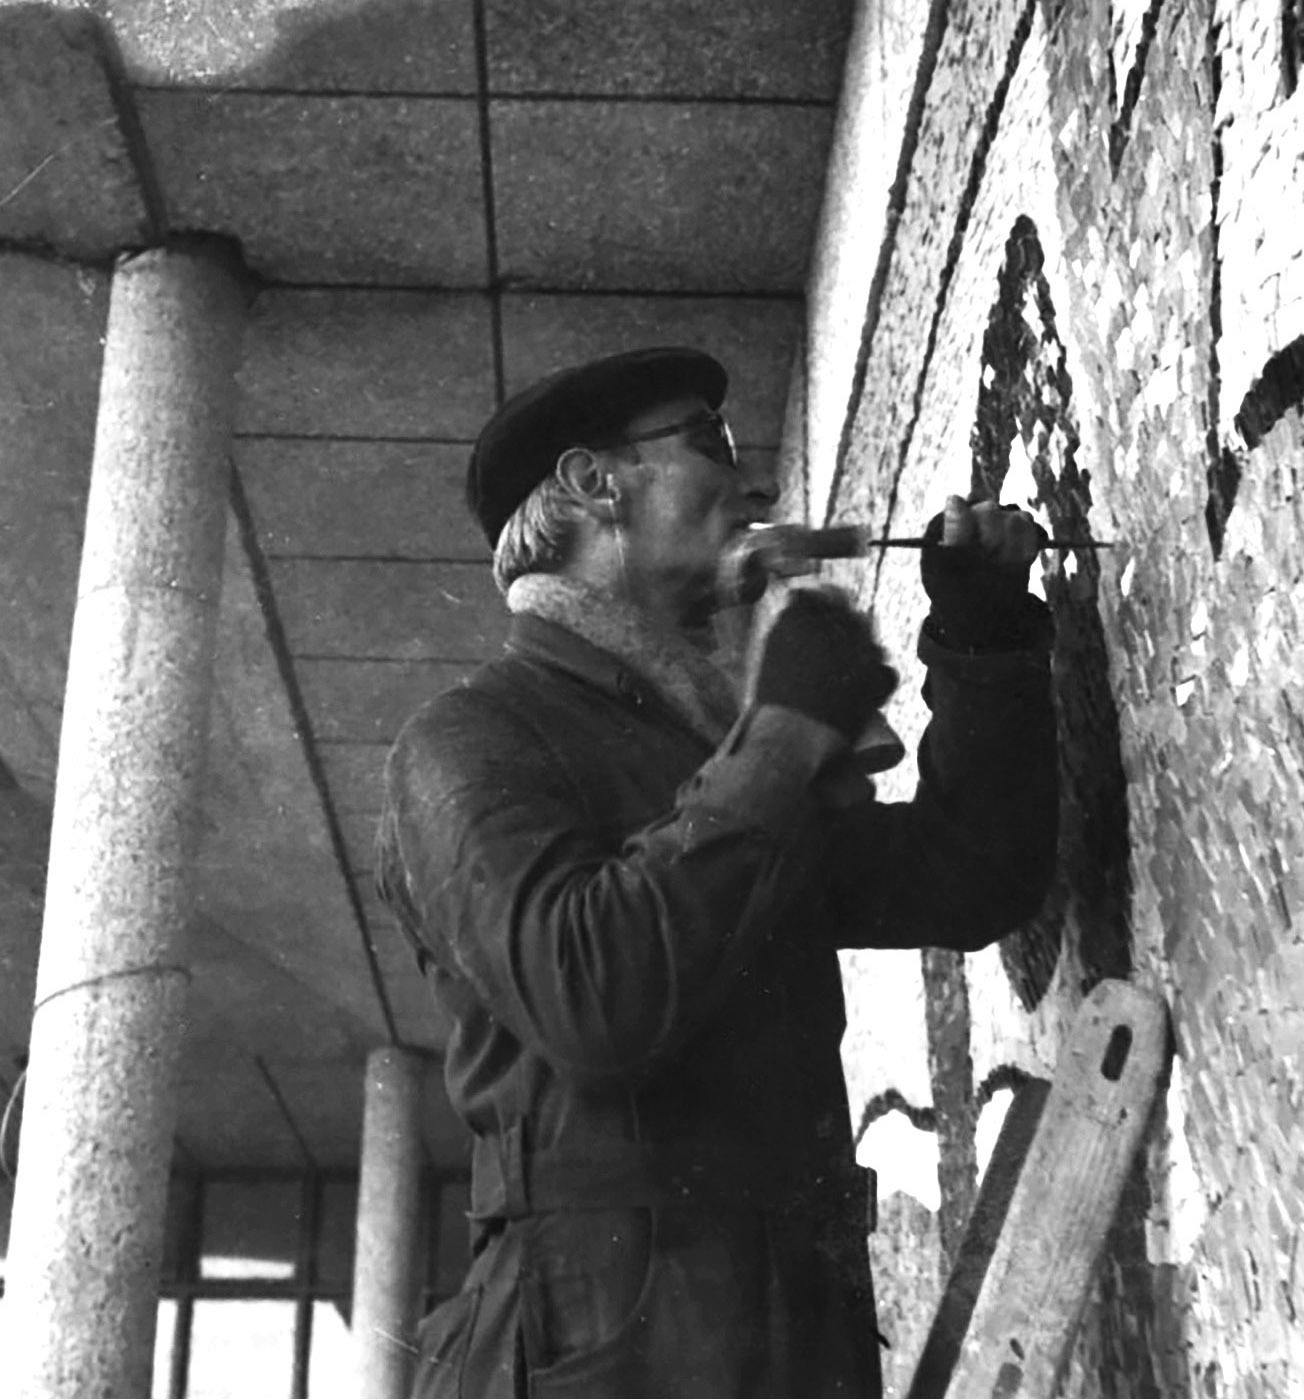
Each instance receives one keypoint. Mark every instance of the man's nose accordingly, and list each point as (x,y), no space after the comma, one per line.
(758,484)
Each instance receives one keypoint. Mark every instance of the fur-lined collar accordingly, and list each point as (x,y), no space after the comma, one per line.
(685,675)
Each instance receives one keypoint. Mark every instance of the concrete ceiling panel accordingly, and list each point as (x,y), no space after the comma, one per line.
(367,701)
(359,832)
(245,995)
(374,46)
(47,432)
(267,869)
(368,364)
(382,499)
(354,774)
(229,1117)
(24,845)
(753,337)
(379,191)
(389,612)
(730,48)
(323,1097)
(716,197)
(420,1021)
(67,178)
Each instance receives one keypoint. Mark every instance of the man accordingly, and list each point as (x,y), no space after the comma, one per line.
(629,898)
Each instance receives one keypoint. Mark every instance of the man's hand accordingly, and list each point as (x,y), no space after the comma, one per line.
(975,566)
(821,659)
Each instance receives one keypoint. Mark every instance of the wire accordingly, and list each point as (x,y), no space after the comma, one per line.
(4,1125)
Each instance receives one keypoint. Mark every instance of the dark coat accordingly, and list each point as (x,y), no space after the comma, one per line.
(636,940)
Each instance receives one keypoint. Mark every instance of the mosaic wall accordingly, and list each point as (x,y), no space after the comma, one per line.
(1092,302)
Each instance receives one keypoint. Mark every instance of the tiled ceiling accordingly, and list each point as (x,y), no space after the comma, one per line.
(441,200)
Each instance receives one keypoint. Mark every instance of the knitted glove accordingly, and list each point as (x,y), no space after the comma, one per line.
(820,658)
(979,604)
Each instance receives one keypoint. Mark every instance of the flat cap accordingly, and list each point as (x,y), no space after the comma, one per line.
(578,407)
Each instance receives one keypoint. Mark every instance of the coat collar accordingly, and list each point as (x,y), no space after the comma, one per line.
(650,660)
(550,644)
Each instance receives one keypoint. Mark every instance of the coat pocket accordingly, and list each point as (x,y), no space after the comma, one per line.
(443,1339)
(585,1301)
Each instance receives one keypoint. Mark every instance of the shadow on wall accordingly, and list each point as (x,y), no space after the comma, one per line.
(1025,403)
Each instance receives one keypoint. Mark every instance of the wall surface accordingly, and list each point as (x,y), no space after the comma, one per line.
(1088,297)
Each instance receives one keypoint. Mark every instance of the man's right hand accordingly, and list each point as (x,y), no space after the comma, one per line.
(821,659)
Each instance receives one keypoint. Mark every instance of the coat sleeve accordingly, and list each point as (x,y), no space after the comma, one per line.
(602,957)
(972,856)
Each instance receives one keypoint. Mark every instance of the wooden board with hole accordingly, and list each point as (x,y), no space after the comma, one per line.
(1041,1270)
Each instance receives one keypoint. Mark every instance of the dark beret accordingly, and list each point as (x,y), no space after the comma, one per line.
(578,407)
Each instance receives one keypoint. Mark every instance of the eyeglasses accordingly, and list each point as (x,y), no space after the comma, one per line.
(708,434)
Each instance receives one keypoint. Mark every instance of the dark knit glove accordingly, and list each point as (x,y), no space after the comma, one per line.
(978,603)
(821,659)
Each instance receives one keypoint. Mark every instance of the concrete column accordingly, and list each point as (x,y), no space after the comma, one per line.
(100,1106)
(387,1266)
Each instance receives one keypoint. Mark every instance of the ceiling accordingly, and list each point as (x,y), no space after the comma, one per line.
(440,200)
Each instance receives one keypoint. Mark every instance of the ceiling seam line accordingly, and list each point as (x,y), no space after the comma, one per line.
(256,436)
(274,1089)
(520,288)
(316,656)
(483,92)
(456,560)
(303,723)
(132,131)
(480,27)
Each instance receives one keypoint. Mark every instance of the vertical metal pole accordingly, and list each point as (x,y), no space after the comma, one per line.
(387,1264)
(100,1112)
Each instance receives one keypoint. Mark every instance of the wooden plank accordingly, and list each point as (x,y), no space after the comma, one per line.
(951,1321)
(1094,1120)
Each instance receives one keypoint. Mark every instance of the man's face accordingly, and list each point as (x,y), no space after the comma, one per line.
(680,503)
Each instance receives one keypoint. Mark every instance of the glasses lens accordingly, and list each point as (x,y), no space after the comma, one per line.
(713,439)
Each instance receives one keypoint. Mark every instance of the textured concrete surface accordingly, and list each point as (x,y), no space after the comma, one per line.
(387,1259)
(296,975)
(421,1024)
(409,46)
(100,1104)
(340,140)
(386,612)
(753,338)
(267,865)
(24,849)
(352,701)
(737,48)
(68,175)
(383,499)
(259,166)
(367,364)
(80,1320)
(1091,277)
(47,422)
(857,222)
(353,771)
(667,196)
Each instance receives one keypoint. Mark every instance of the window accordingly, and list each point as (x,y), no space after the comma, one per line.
(257,1276)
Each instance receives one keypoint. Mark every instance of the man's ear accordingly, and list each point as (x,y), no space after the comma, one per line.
(588,482)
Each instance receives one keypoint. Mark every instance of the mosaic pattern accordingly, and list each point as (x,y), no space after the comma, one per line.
(1095,300)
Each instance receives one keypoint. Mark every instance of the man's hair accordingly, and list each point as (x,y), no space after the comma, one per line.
(538,534)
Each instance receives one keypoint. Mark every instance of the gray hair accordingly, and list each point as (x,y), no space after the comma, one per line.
(538,534)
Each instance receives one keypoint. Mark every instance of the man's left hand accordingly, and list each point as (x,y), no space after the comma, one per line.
(1005,535)
(975,564)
